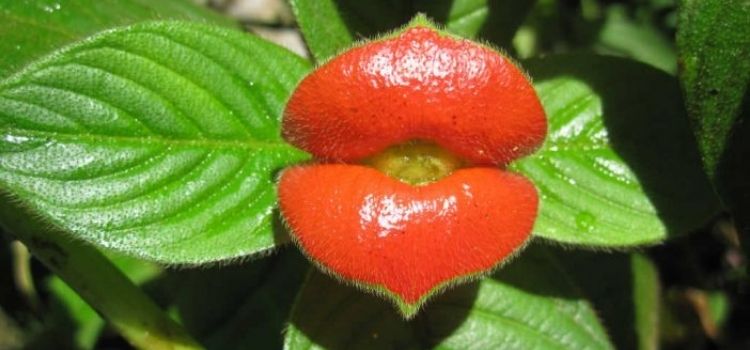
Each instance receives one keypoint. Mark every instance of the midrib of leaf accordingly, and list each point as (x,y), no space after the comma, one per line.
(37,69)
(246,144)
(195,87)
(159,140)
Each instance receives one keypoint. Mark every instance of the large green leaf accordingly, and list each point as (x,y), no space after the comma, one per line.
(32,28)
(158,140)
(713,40)
(532,303)
(619,166)
(331,26)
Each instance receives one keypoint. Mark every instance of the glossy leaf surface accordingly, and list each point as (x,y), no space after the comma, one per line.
(159,140)
(619,166)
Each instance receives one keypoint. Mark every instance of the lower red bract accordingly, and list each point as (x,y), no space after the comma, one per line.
(375,230)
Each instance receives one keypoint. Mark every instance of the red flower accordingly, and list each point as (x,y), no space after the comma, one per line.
(410,134)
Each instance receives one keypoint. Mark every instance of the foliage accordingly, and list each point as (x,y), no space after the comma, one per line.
(150,131)
(714,43)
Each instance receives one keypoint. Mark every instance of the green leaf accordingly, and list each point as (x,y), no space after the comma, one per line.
(331,26)
(242,306)
(713,40)
(622,35)
(32,28)
(531,303)
(619,166)
(719,307)
(159,140)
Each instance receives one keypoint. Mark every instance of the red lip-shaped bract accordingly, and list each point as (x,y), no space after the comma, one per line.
(401,240)
(421,85)
(372,228)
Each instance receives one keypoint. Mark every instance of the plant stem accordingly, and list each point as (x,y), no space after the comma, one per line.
(130,312)
(23,277)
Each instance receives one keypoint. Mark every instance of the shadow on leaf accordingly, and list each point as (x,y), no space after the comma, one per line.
(332,315)
(238,306)
(542,290)
(647,127)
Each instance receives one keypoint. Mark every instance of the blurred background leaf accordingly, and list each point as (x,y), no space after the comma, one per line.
(620,34)
(330,26)
(33,28)
(714,45)
(237,306)
(641,30)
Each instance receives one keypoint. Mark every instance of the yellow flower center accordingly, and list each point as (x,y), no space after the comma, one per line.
(415,162)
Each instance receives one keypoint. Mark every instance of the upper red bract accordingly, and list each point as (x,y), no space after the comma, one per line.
(420,85)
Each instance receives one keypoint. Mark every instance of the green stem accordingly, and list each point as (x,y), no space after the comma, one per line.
(133,314)
(23,277)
